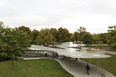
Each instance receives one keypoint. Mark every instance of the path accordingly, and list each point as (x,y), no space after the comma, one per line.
(78,68)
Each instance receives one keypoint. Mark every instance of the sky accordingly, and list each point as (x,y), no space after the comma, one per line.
(94,15)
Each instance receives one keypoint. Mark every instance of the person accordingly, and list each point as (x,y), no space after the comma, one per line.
(76,58)
(46,54)
(87,68)
(53,55)
(57,54)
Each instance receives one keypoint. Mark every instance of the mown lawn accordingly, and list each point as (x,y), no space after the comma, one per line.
(108,64)
(107,48)
(33,68)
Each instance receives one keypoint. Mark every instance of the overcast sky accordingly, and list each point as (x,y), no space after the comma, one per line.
(94,15)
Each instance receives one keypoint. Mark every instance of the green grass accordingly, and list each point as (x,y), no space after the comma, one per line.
(108,64)
(33,68)
(104,48)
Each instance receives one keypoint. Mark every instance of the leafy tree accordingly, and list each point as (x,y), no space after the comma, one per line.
(3,45)
(71,35)
(96,38)
(87,39)
(54,32)
(39,39)
(100,45)
(15,43)
(35,34)
(63,35)
(26,29)
(103,37)
(76,36)
(81,32)
(1,23)
(114,46)
(112,36)
(44,37)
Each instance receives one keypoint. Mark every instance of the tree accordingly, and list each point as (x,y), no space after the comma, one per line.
(112,36)
(114,46)
(3,45)
(44,37)
(87,39)
(63,35)
(1,23)
(26,29)
(16,42)
(76,36)
(39,39)
(100,45)
(35,34)
(54,32)
(103,37)
(71,37)
(81,32)
(96,38)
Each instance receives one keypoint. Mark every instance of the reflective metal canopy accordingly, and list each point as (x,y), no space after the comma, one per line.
(71,52)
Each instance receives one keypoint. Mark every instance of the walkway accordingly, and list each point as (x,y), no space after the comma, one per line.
(78,68)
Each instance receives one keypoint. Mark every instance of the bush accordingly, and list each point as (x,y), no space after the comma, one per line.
(114,46)
(3,56)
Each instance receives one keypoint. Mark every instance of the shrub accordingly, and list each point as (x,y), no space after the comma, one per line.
(3,56)
(114,46)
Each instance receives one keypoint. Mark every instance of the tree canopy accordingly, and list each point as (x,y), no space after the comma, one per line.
(63,35)
(26,29)
(88,39)
(47,35)
(35,33)
(13,43)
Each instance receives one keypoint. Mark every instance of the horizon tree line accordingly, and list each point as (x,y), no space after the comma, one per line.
(13,41)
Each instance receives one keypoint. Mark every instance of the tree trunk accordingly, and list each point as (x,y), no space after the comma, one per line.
(12,60)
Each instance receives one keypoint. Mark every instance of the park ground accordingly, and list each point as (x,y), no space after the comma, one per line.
(49,68)
(33,68)
(105,63)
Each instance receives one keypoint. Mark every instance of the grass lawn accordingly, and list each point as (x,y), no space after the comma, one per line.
(108,64)
(33,68)
(104,48)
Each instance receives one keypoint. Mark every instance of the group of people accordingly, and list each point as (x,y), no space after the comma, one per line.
(54,54)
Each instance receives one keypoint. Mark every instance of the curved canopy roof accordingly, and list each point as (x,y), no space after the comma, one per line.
(71,52)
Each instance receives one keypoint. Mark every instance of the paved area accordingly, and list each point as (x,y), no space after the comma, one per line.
(78,68)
